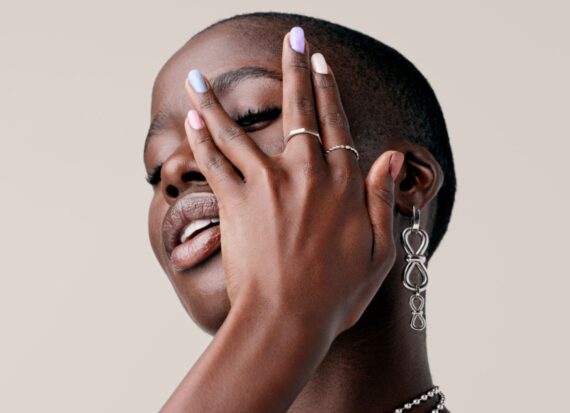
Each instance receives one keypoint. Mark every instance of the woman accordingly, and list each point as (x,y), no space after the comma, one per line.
(289,222)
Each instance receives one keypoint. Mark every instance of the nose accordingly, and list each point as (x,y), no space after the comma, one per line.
(179,173)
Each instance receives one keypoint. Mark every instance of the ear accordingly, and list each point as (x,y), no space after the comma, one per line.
(419,180)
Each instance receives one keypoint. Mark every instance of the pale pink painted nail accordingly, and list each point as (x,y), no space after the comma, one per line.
(195,120)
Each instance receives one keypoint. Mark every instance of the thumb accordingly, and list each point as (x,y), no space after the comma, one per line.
(380,200)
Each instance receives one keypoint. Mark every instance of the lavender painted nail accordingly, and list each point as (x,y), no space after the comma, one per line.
(297,39)
(197,81)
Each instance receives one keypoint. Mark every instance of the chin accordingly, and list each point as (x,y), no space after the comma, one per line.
(202,292)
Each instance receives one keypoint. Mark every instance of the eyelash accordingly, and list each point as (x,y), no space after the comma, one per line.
(254,116)
(245,120)
(153,177)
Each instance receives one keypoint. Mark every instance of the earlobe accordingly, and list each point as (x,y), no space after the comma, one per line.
(419,180)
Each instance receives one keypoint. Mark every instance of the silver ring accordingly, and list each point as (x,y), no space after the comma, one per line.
(346,147)
(300,131)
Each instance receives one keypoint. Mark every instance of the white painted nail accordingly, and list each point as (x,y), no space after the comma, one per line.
(319,63)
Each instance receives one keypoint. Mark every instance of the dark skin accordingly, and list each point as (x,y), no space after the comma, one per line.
(364,358)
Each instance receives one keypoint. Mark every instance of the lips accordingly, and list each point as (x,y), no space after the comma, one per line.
(191,231)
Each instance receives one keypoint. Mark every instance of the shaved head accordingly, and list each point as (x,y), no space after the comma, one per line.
(385,96)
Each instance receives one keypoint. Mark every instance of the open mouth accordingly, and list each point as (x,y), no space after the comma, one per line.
(191,230)
(199,240)
(195,227)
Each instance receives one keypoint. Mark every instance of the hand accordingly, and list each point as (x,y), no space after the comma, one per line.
(300,232)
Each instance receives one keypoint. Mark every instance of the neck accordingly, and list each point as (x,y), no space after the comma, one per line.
(377,366)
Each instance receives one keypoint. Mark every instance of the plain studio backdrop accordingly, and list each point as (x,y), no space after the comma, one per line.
(88,320)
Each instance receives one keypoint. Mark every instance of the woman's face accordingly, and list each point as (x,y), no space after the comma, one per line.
(245,67)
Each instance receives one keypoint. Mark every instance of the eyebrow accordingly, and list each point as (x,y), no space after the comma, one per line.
(220,84)
(156,126)
(226,80)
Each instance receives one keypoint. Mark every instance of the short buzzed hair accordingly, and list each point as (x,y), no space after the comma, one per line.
(389,99)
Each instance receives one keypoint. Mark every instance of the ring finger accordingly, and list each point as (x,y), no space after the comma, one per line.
(332,118)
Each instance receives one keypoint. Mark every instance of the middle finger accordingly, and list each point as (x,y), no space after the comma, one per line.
(298,101)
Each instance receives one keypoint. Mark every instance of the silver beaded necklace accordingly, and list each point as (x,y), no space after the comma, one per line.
(424,397)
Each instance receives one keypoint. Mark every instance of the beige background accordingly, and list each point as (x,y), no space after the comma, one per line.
(89,323)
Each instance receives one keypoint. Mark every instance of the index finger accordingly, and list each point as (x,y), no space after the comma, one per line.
(230,138)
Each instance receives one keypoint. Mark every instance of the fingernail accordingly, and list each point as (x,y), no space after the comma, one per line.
(396,162)
(197,81)
(297,39)
(319,64)
(195,120)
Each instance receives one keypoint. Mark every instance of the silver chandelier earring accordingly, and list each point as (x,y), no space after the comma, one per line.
(416,264)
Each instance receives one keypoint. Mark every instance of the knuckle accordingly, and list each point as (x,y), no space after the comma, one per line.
(299,63)
(214,162)
(342,176)
(268,174)
(385,195)
(385,241)
(387,256)
(335,119)
(311,172)
(324,82)
(203,138)
(231,132)
(208,101)
(345,179)
(304,105)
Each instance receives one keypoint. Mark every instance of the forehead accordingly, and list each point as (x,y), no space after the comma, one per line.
(234,45)
(218,50)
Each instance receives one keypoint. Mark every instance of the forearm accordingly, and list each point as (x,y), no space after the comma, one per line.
(259,361)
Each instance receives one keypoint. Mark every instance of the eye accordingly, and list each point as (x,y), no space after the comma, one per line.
(256,119)
(153,177)
(252,120)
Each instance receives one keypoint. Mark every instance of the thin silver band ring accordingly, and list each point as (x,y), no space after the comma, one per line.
(345,147)
(300,131)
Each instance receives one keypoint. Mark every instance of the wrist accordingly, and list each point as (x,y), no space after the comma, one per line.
(271,349)
(262,356)
(286,321)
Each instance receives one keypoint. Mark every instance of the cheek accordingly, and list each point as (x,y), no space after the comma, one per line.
(270,139)
(156,212)
(202,292)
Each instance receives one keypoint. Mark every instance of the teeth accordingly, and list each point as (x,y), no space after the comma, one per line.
(195,226)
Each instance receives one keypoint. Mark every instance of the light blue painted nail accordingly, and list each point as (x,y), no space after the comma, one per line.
(197,81)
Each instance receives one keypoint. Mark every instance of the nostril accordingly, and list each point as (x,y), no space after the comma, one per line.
(172,191)
(193,176)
